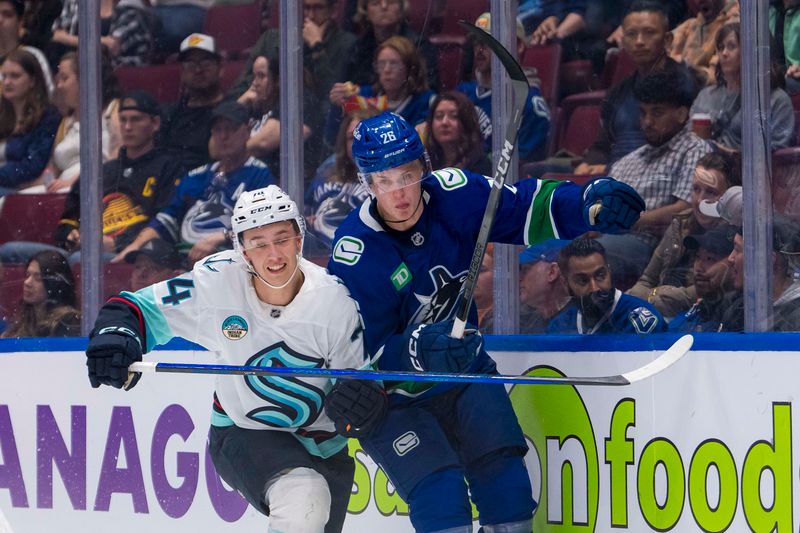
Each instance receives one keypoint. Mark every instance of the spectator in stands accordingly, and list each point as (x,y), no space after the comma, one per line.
(48,300)
(784,23)
(198,216)
(661,171)
(11,31)
(176,20)
(401,86)
(126,30)
(694,39)
(155,261)
(136,186)
(675,9)
(28,122)
(66,163)
(596,306)
(453,136)
(785,268)
(711,275)
(326,50)
(723,100)
(666,282)
(646,39)
(532,139)
(186,124)
(37,22)
(382,19)
(541,286)
(334,193)
(263,101)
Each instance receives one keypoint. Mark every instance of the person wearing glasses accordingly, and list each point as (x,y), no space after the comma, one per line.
(186,124)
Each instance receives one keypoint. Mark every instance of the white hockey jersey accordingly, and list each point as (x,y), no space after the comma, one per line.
(215,305)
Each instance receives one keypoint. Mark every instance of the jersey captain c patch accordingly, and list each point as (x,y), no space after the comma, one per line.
(348,250)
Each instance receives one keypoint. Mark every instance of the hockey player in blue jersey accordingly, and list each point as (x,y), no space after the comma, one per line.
(260,304)
(598,307)
(404,255)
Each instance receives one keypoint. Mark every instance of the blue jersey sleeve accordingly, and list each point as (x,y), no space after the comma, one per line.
(167,221)
(535,125)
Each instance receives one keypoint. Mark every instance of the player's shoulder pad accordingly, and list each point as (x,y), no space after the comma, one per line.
(643,319)
(451,178)
(217,263)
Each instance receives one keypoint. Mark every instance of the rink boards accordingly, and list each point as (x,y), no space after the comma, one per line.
(709,445)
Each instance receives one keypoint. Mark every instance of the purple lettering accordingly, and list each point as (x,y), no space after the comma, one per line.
(121,433)
(229,504)
(10,470)
(50,448)
(175,501)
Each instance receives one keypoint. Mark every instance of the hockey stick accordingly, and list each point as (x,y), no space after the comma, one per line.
(662,362)
(520,88)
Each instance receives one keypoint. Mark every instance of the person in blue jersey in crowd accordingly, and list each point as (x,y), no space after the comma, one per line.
(404,255)
(597,306)
(532,140)
(198,215)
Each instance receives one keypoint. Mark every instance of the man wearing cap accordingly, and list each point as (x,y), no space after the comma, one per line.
(136,185)
(187,122)
(597,306)
(785,263)
(711,275)
(532,138)
(11,12)
(198,214)
(541,287)
(156,261)
(666,281)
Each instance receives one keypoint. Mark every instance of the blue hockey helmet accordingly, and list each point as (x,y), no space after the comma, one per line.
(385,142)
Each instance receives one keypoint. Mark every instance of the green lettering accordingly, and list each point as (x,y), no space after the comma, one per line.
(359,500)
(777,458)
(619,454)
(661,452)
(713,518)
(388,502)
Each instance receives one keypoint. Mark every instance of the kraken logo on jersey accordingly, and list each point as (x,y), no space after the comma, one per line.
(439,305)
(290,401)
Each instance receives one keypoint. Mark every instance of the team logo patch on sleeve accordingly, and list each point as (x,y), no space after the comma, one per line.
(348,250)
(234,327)
(450,178)
(643,320)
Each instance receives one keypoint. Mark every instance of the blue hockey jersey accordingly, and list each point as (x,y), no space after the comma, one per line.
(415,276)
(535,120)
(203,201)
(629,314)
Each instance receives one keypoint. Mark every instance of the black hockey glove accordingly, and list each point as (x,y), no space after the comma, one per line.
(108,355)
(356,406)
(432,349)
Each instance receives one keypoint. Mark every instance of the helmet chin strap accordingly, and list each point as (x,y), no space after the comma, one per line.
(277,287)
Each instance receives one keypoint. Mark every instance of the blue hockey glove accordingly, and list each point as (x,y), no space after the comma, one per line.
(108,356)
(356,406)
(610,206)
(431,348)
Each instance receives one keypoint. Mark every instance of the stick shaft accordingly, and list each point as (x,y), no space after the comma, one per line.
(665,360)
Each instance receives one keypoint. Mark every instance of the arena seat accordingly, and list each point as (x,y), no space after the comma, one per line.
(231,70)
(425,16)
(577,77)
(796,101)
(116,278)
(450,58)
(581,129)
(161,81)
(547,61)
(11,279)
(30,217)
(235,27)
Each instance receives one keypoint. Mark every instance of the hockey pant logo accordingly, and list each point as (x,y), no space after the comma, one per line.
(405,443)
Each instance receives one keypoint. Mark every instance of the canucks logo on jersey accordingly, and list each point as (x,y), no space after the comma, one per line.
(439,305)
(289,401)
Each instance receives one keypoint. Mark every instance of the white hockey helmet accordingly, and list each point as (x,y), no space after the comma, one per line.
(264,206)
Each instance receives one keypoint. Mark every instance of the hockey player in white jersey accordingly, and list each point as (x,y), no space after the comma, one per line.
(260,304)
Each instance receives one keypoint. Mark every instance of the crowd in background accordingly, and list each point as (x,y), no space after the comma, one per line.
(662,77)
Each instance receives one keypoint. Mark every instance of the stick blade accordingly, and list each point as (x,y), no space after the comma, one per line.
(680,348)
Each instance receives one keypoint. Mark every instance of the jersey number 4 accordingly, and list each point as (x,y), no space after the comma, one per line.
(178,291)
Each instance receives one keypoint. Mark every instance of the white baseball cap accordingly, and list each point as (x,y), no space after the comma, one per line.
(198,41)
(728,207)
